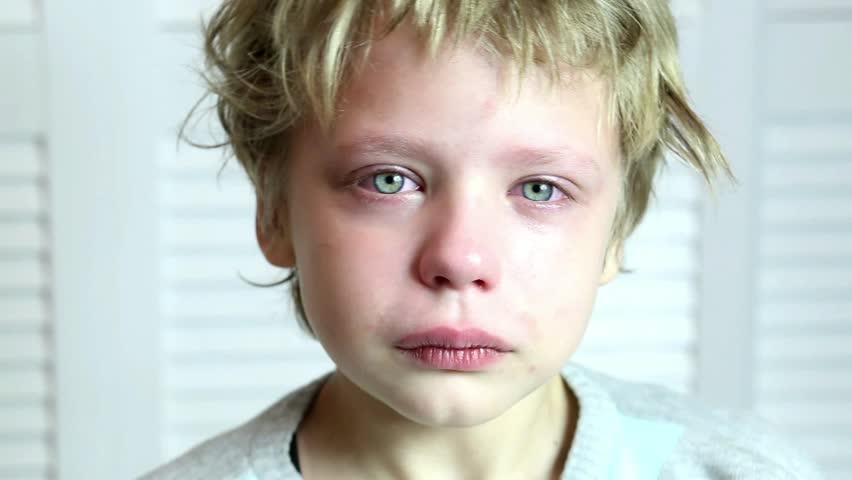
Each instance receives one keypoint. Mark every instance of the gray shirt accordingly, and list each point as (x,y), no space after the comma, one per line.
(625,430)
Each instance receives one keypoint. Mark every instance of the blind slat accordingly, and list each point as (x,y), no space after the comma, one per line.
(807,347)
(23,347)
(22,310)
(804,383)
(806,278)
(805,313)
(28,383)
(273,376)
(807,245)
(234,303)
(206,343)
(18,454)
(806,210)
(830,413)
(25,236)
(21,199)
(24,420)
(18,160)
(209,195)
(21,95)
(805,174)
(22,273)
(810,140)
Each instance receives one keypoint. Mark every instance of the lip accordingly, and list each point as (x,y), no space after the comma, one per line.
(450,338)
(445,348)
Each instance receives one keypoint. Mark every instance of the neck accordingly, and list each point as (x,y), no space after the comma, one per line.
(349,430)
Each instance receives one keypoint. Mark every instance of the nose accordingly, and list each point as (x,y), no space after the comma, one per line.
(461,251)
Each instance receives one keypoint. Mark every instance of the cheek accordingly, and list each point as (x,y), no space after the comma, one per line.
(555,285)
(557,264)
(346,269)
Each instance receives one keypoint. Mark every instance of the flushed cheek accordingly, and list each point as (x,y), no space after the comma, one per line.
(530,324)
(343,247)
(553,290)
(352,273)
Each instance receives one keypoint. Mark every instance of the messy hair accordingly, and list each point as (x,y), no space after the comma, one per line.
(273,63)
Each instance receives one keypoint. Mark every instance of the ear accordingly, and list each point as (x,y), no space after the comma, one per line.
(274,241)
(612,262)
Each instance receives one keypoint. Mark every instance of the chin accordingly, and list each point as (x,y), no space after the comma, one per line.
(450,405)
(450,415)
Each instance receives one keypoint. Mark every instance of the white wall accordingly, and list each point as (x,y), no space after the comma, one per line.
(123,319)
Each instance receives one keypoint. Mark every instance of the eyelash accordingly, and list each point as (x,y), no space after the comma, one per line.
(368,178)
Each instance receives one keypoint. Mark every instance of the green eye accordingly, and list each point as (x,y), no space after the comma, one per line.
(388,182)
(538,191)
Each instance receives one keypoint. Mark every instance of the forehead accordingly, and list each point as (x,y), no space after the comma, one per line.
(463,95)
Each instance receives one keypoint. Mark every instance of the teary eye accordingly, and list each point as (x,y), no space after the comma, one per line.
(388,182)
(541,191)
(391,182)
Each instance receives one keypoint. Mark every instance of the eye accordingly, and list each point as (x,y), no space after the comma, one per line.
(390,182)
(541,191)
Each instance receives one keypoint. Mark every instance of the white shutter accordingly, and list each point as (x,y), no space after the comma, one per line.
(804,284)
(644,324)
(26,386)
(26,383)
(230,348)
(804,312)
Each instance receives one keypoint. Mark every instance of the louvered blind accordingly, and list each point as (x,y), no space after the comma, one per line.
(26,422)
(804,313)
(644,324)
(230,349)
(804,304)
(643,327)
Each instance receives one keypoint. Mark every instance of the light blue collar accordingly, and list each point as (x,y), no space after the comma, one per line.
(643,448)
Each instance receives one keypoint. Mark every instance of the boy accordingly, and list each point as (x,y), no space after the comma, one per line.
(451,181)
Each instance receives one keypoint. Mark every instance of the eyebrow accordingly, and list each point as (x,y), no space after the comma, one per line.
(515,156)
(538,156)
(389,145)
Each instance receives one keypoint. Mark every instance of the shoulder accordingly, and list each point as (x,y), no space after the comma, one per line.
(708,442)
(223,456)
(247,451)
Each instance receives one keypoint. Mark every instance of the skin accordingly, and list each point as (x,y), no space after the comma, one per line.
(459,245)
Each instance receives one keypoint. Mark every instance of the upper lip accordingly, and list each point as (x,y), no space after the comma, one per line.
(448,337)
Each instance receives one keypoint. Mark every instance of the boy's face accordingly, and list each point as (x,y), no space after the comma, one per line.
(442,200)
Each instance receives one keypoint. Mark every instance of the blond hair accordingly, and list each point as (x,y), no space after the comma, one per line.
(271,63)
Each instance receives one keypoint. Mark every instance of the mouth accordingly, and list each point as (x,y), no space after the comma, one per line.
(445,348)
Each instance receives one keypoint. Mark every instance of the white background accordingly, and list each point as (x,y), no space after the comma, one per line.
(126,334)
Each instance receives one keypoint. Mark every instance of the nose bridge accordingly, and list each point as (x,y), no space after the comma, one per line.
(462,247)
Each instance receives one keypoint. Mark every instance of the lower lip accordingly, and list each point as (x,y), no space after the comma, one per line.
(460,359)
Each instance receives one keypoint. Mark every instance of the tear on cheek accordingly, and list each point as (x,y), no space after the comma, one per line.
(372,326)
(530,325)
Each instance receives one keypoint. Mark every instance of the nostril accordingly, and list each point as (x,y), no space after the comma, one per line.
(479,283)
(441,281)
